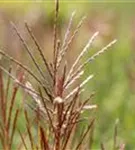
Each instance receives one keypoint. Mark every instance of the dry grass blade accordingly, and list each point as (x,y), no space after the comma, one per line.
(14,127)
(70,107)
(34,96)
(2,113)
(68,136)
(1,126)
(55,28)
(29,52)
(86,132)
(73,118)
(63,52)
(38,48)
(15,90)
(73,104)
(58,89)
(1,139)
(24,67)
(65,39)
(20,84)
(29,130)
(80,86)
(62,121)
(93,58)
(9,119)
(68,131)
(74,79)
(80,108)
(56,61)
(2,98)
(7,86)
(47,111)
(44,142)
(1,88)
(68,31)
(67,119)
(85,49)
(25,134)
(102,50)
(23,141)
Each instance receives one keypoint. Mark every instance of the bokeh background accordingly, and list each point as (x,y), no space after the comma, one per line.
(114,80)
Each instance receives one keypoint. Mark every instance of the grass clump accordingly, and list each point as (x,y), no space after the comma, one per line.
(57,106)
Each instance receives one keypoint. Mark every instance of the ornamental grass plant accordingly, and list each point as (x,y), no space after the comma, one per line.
(55,114)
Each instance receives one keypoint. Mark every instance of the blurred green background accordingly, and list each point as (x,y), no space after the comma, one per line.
(114,71)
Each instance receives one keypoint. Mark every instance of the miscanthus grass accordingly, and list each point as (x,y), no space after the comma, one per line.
(57,107)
